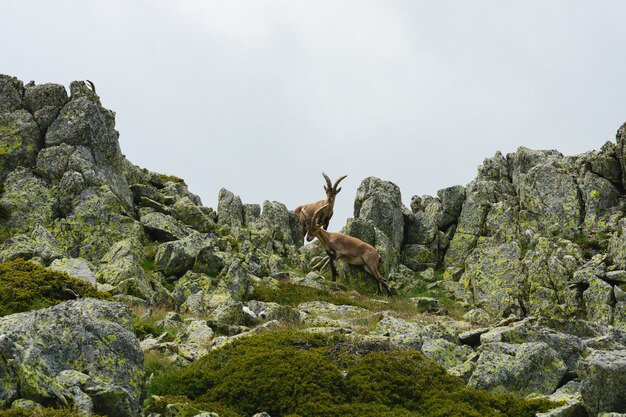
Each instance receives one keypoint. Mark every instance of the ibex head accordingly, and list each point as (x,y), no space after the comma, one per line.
(332,190)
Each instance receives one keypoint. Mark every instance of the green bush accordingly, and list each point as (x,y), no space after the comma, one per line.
(26,286)
(287,373)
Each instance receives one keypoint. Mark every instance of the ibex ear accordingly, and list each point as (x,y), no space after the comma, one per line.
(338,189)
(326,188)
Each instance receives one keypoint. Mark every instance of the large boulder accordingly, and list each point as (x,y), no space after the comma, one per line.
(276,218)
(19,141)
(44,102)
(381,202)
(11,92)
(81,353)
(121,268)
(523,368)
(549,199)
(229,208)
(603,377)
(98,219)
(29,199)
(495,276)
(177,257)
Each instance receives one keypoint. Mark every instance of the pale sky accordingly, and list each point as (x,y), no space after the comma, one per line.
(260,96)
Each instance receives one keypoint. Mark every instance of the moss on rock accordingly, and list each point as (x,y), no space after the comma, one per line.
(26,286)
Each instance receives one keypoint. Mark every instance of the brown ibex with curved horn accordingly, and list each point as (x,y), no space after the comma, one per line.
(328,204)
(347,248)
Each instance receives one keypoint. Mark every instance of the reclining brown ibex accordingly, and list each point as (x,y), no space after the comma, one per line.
(328,204)
(350,249)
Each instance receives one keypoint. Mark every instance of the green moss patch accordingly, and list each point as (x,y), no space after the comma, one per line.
(289,373)
(40,412)
(26,286)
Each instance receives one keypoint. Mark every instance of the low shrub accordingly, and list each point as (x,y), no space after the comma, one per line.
(40,412)
(26,286)
(289,373)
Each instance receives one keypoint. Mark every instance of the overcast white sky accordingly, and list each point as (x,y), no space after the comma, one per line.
(260,97)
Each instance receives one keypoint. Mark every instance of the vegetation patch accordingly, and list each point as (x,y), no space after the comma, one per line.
(298,374)
(171,178)
(26,286)
(40,412)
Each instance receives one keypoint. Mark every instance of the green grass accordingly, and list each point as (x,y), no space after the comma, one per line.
(292,295)
(291,373)
(26,286)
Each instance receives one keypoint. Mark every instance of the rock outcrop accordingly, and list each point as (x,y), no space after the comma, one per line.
(80,353)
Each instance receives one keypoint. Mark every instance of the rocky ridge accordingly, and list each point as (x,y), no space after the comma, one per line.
(534,249)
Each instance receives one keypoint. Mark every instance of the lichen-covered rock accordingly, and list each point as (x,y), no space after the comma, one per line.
(163,227)
(419,229)
(177,257)
(525,368)
(549,199)
(418,257)
(19,141)
(30,201)
(52,162)
(617,245)
(381,202)
(11,92)
(452,199)
(84,122)
(599,301)
(401,333)
(603,376)
(185,211)
(218,306)
(103,361)
(569,347)
(487,211)
(446,353)
(229,208)
(97,221)
(599,196)
(121,268)
(190,283)
(39,244)
(236,280)
(620,139)
(194,342)
(208,261)
(38,96)
(523,160)
(326,308)
(551,266)
(273,311)
(76,268)
(495,276)
(477,315)
(176,190)
(276,218)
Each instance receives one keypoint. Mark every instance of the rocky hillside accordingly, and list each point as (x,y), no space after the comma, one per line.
(512,284)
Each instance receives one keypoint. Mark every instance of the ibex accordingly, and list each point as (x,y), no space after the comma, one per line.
(347,248)
(329,203)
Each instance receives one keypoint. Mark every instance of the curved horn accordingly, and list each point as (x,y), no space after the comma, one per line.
(328,183)
(306,213)
(337,183)
(92,85)
(317,213)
